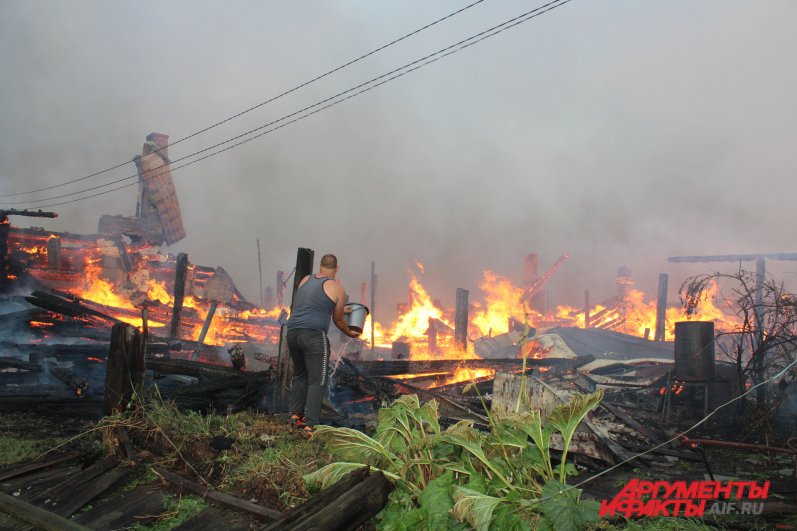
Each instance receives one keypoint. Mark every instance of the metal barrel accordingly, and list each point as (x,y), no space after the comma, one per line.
(694,350)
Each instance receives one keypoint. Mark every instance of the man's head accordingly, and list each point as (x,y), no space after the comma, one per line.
(329,265)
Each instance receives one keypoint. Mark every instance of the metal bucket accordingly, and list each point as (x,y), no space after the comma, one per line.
(356,318)
(694,350)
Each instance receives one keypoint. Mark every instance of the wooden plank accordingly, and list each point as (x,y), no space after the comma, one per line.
(66,489)
(32,467)
(321,500)
(218,498)
(94,489)
(9,523)
(353,508)
(36,516)
(140,505)
(215,518)
(28,488)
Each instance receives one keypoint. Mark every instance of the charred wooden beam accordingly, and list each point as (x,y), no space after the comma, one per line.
(304,267)
(125,369)
(369,382)
(586,309)
(27,213)
(220,384)
(77,385)
(346,505)
(54,252)
(197,369)
(13,363)
(385,368)
(208,321)
(461,319)
(179,293)
(67,304)
(661,308)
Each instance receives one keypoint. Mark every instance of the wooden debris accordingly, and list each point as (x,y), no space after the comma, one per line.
(40,518)
(218,498)
(352,501)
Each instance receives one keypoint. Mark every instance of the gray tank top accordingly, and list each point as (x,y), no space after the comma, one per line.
(312,309)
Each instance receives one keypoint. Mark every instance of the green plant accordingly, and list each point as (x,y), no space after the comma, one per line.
(502,479)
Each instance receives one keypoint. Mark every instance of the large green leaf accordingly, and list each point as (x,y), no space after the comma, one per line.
(428,413)
(397,518)
(353,445)
(505,519)
(504,434)
(566,418)
(474,507)
(563,510)
(436,500)
(393,429)
(531,424)
(332,473)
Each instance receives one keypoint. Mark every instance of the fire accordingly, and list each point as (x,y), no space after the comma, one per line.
(156,291)
(503,300)
(413,324)
(101,291)
(463,374)
(631,313)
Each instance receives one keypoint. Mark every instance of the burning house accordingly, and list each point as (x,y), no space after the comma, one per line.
(65,291)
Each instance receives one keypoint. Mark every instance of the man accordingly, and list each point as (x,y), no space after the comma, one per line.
(318,297)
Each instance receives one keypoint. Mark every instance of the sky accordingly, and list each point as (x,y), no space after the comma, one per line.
(622,132)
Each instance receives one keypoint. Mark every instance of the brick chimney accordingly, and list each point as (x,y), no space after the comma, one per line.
(160,140)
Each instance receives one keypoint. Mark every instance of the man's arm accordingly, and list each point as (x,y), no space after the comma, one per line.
(337,314)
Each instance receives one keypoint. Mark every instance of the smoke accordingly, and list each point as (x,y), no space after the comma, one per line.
(624,133)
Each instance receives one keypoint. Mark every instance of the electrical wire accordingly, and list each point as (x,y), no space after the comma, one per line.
(318,106)
(675,438)
(261,104)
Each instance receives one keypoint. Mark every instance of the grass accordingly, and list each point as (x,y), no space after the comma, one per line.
(13,449)
(177,509)
(266,461)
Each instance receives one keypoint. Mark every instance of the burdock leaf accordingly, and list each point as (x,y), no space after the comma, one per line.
(563,510)
(474,507)
(332,473)
(353,445)
(436,500)
(566,417)
(428,412)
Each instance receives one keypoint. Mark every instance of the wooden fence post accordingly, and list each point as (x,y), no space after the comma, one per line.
(125,367)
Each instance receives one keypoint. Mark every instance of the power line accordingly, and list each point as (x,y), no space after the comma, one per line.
(319,106)
(673,439)
(261,104)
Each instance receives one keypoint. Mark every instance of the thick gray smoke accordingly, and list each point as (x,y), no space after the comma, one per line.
(624,132)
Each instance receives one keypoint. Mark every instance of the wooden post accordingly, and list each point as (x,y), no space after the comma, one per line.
(125,367)
(208,321)
(432,335)
(260,274)
(5,269)
(53,252)
(461,319)
(179,293)
(661,309)
(373,301)
(304,267)
(587,323)
(280,287)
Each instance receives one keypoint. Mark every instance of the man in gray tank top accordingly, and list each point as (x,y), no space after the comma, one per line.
(318,300)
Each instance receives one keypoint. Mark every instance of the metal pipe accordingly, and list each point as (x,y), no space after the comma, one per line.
(744,446)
